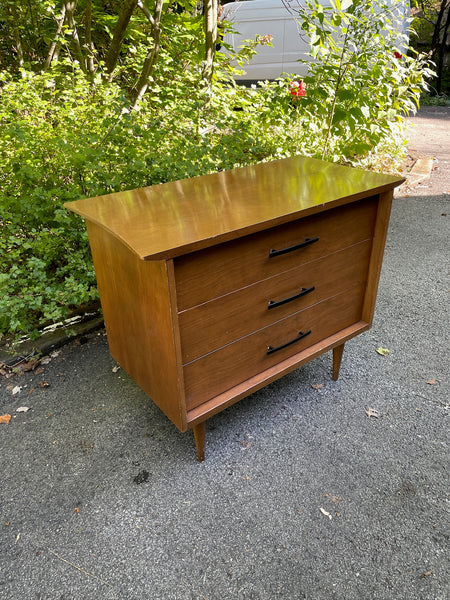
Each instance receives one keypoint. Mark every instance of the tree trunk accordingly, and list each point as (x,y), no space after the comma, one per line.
(210,39)
(17,39)
(440,51)
(151,58)
(70,9)
(88,37)
(112,55)
(52,49)
(435,41)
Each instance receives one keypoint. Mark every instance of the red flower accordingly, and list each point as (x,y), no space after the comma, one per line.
(297,89)
(397,55)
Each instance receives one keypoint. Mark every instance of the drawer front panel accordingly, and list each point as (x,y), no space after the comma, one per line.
(214,324)
(209,273)
(219,371)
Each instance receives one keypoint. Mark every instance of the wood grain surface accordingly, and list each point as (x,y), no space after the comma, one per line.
(210,273)
(170,219)
(213,324)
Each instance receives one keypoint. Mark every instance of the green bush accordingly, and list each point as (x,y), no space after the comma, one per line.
(363,81)
(65,140)
(65,135)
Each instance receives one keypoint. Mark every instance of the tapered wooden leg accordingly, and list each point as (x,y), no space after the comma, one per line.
(337,358)
(199,436)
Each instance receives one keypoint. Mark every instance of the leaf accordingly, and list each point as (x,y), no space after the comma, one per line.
(383,351)
(30,365)
(371,412)
(22,409)
(317,386)
(324,512)
(431,381)
(17,390)
(5,418)
(346,4)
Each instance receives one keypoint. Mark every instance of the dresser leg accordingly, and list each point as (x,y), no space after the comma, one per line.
(337,358)
(199,436)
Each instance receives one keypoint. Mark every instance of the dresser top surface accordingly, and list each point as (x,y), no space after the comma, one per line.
(171,219)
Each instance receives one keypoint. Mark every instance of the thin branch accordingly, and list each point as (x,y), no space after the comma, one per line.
(52,49)
(151,58)
(70,9)
(146,12)
(342,70)
(88,35)
(79,568)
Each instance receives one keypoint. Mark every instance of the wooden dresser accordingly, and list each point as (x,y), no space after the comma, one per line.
(212,287)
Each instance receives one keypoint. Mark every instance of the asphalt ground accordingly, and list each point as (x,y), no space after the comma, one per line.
(303,495)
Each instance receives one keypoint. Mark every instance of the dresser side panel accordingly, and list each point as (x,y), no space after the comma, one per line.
(376,258)
(136,302)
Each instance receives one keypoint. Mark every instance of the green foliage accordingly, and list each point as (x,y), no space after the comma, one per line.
(64,137)
(67,133)
(431,25)
(363,81)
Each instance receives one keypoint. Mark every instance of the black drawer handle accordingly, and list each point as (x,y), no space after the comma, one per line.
(301,335)
(304,291)
(307,242)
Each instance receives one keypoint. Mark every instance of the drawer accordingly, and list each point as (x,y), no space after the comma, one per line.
(219,371)
(207,274)
(214,324)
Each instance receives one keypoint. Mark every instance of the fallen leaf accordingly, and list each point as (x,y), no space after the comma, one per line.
(115,369)
(39,371)
(317,386)
(324,512)
(46,360)
(17,390)
(76,510)
(383,351)
(431,381)
(31,365)
(371,412)
(44,384)
(427,573)
(22,409)
(5,418)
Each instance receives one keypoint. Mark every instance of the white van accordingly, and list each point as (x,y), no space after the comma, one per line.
(271,17)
